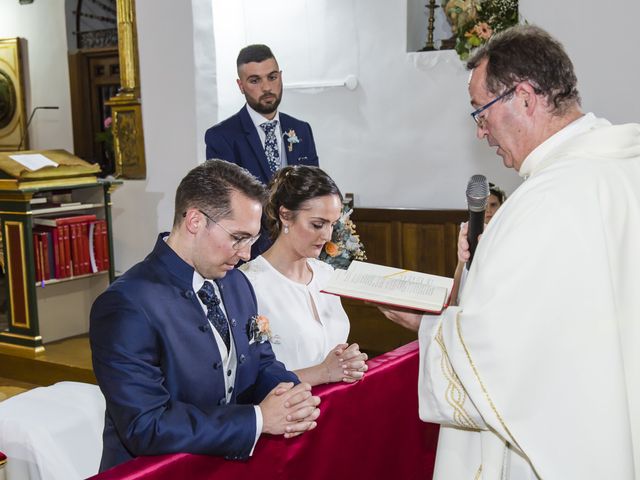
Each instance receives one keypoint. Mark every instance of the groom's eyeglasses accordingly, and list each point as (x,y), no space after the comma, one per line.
(239,241)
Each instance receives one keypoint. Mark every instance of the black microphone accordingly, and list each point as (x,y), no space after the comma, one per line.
(477,196)
(33,112)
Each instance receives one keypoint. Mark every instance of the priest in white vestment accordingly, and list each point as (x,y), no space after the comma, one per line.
(542,356)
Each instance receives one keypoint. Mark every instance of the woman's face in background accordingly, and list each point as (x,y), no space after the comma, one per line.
(493,204)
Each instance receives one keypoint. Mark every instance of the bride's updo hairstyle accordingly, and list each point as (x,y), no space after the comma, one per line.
(290,188)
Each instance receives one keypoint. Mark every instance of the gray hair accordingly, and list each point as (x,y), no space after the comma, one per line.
(528,53)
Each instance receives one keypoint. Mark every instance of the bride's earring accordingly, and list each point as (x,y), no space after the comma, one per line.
(286,229)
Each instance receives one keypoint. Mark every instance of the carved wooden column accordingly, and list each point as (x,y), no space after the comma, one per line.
(126,108)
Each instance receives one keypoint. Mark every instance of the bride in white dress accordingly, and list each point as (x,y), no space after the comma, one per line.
(309,328)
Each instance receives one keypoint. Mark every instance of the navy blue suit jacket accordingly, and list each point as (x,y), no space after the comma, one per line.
(236,140)
(159,368)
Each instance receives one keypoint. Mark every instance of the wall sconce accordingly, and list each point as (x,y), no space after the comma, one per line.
(25,2)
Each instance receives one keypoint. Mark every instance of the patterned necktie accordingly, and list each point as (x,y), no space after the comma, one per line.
(214,313)
(271,145)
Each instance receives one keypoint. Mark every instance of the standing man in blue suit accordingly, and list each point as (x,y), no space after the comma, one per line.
(259,137)
(177,350)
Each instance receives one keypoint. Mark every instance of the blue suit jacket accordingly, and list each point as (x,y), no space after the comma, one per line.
(159,368)
(236,140)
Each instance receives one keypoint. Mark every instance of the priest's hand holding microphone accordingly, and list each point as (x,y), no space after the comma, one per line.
(477,196)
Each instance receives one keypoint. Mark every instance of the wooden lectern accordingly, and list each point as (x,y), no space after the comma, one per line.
(45,301)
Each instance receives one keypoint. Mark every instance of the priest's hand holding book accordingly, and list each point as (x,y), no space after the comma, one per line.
(409,319)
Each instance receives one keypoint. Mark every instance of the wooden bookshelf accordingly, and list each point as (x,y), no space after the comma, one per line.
(38,314)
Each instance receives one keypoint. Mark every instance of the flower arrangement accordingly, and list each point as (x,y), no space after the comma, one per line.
(106,135)
(259,330)
(474,21)
(345,245)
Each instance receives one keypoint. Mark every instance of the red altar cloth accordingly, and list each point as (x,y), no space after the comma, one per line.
(366,430)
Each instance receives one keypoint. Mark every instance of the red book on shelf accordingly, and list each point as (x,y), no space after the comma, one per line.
(67,251)
(53,244)
(56,252)
(75,251)
(54,222)
(36,257)
(106,261)
(44,254)
(72,253)
(62,257)
(84,243)
(80,248)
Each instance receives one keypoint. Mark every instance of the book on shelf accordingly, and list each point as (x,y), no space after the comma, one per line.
(70,249)
(66,236)
(98,246)
(391,286)
(76,257)
(54,222)
(84,245)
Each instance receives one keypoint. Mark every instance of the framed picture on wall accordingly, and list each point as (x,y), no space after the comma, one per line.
(13,124)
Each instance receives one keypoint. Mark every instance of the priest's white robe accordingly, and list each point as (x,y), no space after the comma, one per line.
(542,356)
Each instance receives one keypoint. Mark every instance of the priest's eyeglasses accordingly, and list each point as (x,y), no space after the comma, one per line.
(479,119)
(239,241)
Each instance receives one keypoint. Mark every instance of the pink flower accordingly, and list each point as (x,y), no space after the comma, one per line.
(107,122)
(483,30)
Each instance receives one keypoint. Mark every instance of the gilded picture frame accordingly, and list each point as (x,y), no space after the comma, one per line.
(13,122)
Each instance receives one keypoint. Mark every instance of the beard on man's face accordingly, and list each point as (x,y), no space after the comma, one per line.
(267,103)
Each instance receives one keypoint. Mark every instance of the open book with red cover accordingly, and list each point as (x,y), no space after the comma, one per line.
(391,286)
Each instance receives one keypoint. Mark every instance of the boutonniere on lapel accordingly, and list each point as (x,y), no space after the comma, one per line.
(260,331)
(291,138)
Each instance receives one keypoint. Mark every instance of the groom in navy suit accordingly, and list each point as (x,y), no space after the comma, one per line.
(258,137)
(177,350)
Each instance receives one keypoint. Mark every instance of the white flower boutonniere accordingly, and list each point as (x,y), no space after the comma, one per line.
(260,331)
(291,138)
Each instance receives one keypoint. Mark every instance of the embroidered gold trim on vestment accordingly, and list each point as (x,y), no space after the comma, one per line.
(455,393)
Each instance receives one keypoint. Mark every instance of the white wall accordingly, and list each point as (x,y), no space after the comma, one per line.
(174,119)
(45,66)
(407,125)
(602,42)
(404,137)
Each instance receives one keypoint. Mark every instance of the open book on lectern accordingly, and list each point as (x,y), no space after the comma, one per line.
(391,286)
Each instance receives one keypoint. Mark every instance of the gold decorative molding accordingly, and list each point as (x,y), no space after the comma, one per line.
(17,274)
(128,142)
(126,108)
(36,338)
(20,350)
(13,123)
(128,48)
